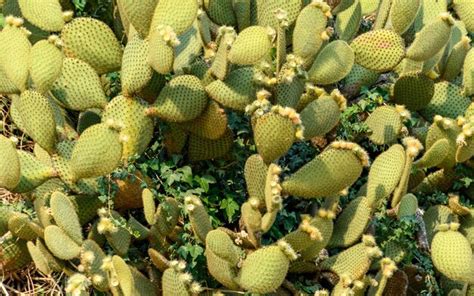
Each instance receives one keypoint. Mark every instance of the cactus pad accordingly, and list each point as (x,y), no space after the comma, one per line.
(97,152)
(9,164)
(136,127)
(182,99)
(332,64)
(45,14)
(351,224)
(236,91)
(78,87)
(378,50)
(386,125)
(178,15)
(139,14)
(251,46)
(136,72)
(329,173)
(274,135)
(448,101)
(403,14)
(414,91)
(60,244)
(93,42)
(385,174)
(264,270)
(451,253)
(205,149)
(211,124)
(46,62)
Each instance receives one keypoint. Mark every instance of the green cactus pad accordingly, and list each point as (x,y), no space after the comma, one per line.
(178,15)
(327,174)
(383,13)
(358,78)
(160,54)
(60,244)
(448,101)
(251,46)
(408,206)
(221,12)
(33,172)
(320,117)
(242,13)
(385,174)
(326,227)
(378,50)
(119,239)
(65,216)
(93,268)
(182,99)
(62,165)
(6,86)
(222,246)
(386,125)
(264,270)
(436,215)
(468,73)
(274,134)
(348,21)
(41,263)
(414,91)
(455,61)
(440,180)
(37,115)
(403,14)
(435,155)
(172,285)
(211,124)
(14,55)
(351,224)
(222,270)
(369,6)
(255,172)
(46,62)
(167,216)
(79,87)
(451,253)
(430,40)
(97,152)
(430,12)
(354,261)
(236,91)
(136,72)
(437,132)
(465,9)
(307,35)
(87,206)
(14,254)
(45,14)
(198,216)
(9,164)
(137,128)
(149,206)
(205,149)
(189,48)
(332,64)
(93,42)
(266,11)
(21,226)
(139,14)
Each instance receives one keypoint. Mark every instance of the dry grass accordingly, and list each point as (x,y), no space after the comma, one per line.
(29,281)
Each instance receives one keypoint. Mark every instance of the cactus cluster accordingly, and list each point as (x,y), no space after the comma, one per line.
(292,68)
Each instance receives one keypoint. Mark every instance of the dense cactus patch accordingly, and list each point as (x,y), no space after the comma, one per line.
(263,147)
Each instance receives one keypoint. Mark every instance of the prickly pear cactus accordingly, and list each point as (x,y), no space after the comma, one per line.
(235,146)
